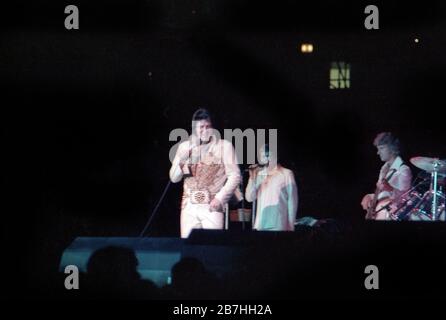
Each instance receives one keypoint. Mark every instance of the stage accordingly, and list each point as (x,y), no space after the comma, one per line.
(329,261)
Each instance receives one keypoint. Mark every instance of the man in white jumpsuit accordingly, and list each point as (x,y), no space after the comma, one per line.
(211,175)
(275,191)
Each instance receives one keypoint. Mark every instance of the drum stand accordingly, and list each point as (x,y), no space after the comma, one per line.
(428,205)
(430,200)
(434,177)
(398,214)
(427,201)
(432,197)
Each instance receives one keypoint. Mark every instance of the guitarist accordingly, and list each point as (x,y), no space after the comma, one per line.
(395,178)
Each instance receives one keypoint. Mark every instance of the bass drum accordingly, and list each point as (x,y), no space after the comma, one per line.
(422,215)
(407,204)
(419,215)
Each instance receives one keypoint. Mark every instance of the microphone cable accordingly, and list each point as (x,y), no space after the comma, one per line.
(156,209)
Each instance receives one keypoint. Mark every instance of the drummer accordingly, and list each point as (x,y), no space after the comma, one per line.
(395,177)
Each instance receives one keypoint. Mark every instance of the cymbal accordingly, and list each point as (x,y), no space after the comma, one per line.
(429,164)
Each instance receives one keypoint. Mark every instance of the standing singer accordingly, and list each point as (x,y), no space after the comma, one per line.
(275,191)
(211,174)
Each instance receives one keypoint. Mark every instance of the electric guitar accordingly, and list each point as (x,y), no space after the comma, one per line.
(377,209)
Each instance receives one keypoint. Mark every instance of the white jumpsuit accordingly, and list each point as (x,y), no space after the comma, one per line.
(213,174)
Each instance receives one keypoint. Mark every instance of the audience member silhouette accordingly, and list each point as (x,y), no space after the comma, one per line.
(191,280)
(112,273)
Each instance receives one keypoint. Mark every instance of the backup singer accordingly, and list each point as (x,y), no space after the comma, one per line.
(275,191)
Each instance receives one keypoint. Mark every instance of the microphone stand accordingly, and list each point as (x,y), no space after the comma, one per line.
(243,202)
(156,209)
(254,205)
(254,202)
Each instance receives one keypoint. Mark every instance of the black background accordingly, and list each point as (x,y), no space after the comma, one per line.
(86,114)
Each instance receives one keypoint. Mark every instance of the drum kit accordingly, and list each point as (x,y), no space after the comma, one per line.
(426,200)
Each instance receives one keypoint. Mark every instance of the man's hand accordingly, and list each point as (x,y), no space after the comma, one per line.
(365,203)
(253,172)
(185,161)
(215,205)
(184,154)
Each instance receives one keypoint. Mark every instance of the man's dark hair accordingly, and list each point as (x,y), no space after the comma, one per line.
(387,138)
(201,114)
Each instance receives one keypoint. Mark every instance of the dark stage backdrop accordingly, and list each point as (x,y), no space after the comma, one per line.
(86,114)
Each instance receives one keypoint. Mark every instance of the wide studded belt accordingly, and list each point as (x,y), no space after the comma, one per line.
(200,196)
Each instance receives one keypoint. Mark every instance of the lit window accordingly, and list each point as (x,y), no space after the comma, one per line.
(340,75)
(306,48)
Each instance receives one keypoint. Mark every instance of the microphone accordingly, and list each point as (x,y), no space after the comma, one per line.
(188,157)
(251,167)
